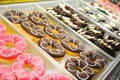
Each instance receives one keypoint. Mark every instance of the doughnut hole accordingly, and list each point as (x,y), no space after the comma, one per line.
(9,45)
(28,67)
(72,45)
(55,31)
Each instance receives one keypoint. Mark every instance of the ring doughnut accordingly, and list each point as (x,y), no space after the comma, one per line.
(55,31)
(15,16)
(11,45)
(38,67)
(73,44)
(38,18)
(2,28)
(33,29)
(6,73)
(52,47)
(93,59)
(79,69)
(55,76)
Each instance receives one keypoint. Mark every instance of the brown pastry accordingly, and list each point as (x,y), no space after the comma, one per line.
(15,16)
(33,29)
(73,44)
(93,59)
(52,47)
(79,69)
(55,31)
(38,18)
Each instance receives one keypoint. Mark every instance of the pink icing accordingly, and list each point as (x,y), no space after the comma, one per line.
(2,28)
(55,76)
(37,63)
(6,73)
(19,45)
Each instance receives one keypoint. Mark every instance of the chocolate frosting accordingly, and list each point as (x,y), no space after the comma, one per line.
(79,46)
(33,29)
(57,51)
(61,33)
(73,65)
(93,59)
(38,18)
(15,16)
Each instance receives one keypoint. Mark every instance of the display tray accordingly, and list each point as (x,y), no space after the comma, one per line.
(32,7)
(31,49)
(111,14)
(55,3)
(97,16)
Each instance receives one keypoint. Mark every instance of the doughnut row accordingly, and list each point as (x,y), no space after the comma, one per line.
(13,46)
(100,18)
(110,13)
(58,44)
(90,31)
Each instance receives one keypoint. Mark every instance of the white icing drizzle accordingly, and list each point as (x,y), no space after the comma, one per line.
(14,50)
(35,61)
(51,42)
(78,72)
(61,5)
(93,56)
(9,13)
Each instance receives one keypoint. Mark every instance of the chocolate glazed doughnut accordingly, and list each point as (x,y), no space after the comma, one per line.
(15,16)
(93,59)
(52,47)
(33,29)
(79,69)
(38,18)
(76,46)
(55,31)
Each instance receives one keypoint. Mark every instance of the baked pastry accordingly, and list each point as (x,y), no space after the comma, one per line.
(30,61)
(11,45)
(33,29)
(15,16)
(6,73)
(73,46)
(93,60)
(55,31)
(38,18)
(79,69)
(52,47)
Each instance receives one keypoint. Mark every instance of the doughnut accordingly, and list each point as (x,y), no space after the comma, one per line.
(6,73)
(52,47)
(55,76)
(55,31)
(15,16)
(2,28)
(38,18)
(73,44)
(33,62)
(93,59)
(33,29)
(79,69)
(11,45)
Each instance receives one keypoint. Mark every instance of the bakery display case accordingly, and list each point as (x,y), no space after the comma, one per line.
(71,37)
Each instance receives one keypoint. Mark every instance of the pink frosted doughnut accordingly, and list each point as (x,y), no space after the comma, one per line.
(38,67)
(6,73)
(55,76)
(19,45)
(2,28)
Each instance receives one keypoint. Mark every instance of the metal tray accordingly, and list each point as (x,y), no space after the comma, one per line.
(32,49)
(107,10)
(54,3)
(77,4)
(34,7)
